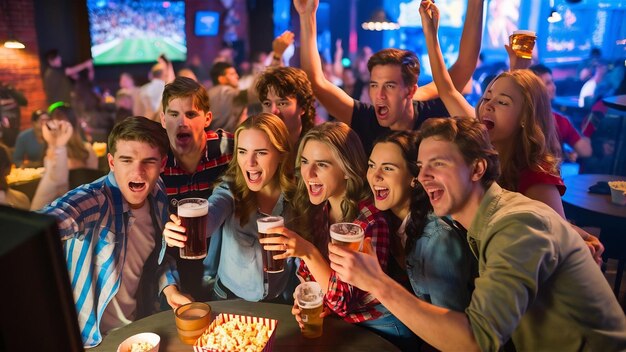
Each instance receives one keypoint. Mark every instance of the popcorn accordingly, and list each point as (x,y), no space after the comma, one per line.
(230,332)
(140,347)
(21,175)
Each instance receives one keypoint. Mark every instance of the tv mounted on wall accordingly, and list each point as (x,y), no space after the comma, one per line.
(127,31)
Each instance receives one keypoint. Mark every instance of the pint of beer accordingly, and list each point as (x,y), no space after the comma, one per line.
(193,214)
(270,264)
(310,299)
(347,234)
(522,43)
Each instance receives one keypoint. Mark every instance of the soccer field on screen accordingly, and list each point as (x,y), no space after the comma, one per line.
(124,51)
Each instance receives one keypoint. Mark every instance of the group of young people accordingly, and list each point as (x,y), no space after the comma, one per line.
(452,256)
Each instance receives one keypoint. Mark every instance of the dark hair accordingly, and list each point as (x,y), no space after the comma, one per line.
(419,205)
(140,129)
(219,69)
(540,69)
(5,166)
(408,62)
(290,82)
(183,87)
(51,54)
(36,115)
(472,139)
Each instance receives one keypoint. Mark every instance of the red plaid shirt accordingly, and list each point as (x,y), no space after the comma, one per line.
(351,303)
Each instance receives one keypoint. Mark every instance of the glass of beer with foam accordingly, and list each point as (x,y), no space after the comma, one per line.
(522,43)
(347,234)
(310,299)
(270,264)
(194,214)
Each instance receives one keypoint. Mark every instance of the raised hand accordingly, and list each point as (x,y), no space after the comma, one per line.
(282,42)
(173,233)
(429,12)
(57,132)
(306,6)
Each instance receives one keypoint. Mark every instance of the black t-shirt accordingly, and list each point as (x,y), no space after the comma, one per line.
(365,124)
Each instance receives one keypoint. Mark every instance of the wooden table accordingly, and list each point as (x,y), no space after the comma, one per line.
(338,335)
(597,210)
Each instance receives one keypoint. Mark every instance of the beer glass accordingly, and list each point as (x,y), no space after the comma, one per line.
(522,43)
(270,264)
(310,299)
(194,214)
(347,234)
(191,321)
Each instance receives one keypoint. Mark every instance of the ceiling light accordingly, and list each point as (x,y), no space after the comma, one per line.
(14,44)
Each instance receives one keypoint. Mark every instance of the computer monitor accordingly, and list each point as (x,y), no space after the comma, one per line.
(37,311)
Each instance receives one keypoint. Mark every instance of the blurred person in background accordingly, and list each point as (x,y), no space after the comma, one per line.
(10,115)
(56,78)
(127,83)
(30,145)
(8,196)
(66,151)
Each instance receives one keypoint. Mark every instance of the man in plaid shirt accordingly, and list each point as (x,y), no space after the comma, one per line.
(111,230)
(197,158)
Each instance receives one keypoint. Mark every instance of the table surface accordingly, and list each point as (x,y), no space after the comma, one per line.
(578,194)
(617,102)
(338,335)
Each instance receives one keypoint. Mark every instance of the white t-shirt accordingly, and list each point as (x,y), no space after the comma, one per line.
(588,90)
(140,243)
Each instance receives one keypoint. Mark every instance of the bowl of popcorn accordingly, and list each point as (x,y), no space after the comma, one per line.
(232,332)
(144,342)
(618,192)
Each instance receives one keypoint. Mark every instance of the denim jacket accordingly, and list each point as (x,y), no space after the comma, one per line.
(241,262)
(441,267)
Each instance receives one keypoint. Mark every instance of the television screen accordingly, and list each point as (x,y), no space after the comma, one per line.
(38,310)
(207,23)
(128,31)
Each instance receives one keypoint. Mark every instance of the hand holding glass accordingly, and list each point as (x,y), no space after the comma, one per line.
(347,234)
(522,43)
(194,214)
(310,300)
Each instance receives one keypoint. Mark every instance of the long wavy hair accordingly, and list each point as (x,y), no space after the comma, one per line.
(76,148)
(536,144)
(347,149)
(419,204)
(245,199)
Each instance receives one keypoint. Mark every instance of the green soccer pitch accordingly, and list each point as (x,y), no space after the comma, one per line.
(138,51)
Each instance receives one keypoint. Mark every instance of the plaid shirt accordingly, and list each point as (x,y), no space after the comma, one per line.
(351,303)
(94,220)
(180,184)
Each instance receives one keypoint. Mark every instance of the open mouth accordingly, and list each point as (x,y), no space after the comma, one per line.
(382,111)
(136,186)
(488,123)
(315,189)
(183,137)
(381,193)
(435,194)
(254,176)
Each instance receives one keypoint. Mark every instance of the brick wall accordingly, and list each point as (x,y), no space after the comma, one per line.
(21,68)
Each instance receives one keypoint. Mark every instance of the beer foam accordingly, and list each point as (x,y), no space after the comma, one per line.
(346,232)
(309,295)
(193,210)
(525,32)
(269,222)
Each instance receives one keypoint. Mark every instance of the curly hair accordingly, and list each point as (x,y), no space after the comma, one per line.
(347,149)
(276,131)
(536,144)
(290,82)
(419,205)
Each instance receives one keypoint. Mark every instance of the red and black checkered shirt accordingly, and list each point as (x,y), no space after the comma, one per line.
(349,302)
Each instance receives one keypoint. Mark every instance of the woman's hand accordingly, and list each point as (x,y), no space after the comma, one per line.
(175,298)
(290,242)
(174,233)
(306,6)
(429,12)
(297,313)
(57,132)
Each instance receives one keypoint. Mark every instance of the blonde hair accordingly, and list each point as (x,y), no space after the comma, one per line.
(276,131)
(348,150)
(536,142)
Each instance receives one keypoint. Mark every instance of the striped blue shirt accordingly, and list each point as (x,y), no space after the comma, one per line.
(94,220)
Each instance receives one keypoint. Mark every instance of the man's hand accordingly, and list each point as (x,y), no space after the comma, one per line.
(57,132)
(282,42)
(360,269)
(305,7)
(174,233)
(175,298)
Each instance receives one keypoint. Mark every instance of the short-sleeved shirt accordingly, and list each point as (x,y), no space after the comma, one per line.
(365,123)
(565,129)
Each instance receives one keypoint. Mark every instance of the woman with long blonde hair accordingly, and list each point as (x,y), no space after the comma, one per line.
(332,188)
(257,183)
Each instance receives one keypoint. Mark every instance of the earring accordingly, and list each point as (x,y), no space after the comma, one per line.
(414,182)
(523,125)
